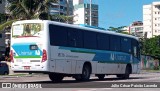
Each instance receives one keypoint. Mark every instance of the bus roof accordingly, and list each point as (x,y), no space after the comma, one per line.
(94,27)
(75,26)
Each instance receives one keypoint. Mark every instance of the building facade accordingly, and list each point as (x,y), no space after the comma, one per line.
(82,14)
(151,20)
(136,29)
(61,7)
(2,6)
(76,2)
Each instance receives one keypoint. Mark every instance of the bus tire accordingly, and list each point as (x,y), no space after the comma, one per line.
(100,76)
(86,72)
(127,72)
(56,77)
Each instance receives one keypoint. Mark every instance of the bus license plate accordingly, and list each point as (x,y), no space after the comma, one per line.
(27,67)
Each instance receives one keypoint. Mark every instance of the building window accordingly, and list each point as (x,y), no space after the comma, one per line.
(155,31)
(155,12)
(155,24)
(155,18)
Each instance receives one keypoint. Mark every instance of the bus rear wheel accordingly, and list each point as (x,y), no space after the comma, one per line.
(56,77)
(85,74)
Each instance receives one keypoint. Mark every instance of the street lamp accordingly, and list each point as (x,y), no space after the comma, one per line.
(90,12)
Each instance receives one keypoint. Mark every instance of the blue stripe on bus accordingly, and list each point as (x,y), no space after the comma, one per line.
(105,56)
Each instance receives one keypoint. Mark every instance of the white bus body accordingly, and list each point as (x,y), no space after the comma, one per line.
(37,51)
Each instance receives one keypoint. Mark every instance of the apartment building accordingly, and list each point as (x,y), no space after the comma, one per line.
(61,7)
(2,6)
(82,14)
(151,20)
(136,29)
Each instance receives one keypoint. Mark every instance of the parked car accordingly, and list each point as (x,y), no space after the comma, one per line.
(4,69)
(2,57)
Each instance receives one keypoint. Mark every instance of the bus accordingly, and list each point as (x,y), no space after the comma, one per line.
(60,50)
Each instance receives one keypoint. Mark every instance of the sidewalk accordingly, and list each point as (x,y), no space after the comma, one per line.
(149,71)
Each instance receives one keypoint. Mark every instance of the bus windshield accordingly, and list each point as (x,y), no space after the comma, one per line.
(28,29)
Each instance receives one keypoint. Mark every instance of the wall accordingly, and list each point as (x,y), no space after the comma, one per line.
(148,62)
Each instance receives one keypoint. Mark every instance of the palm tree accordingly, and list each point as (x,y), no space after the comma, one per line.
(32,9)
(116,29)
(28,9)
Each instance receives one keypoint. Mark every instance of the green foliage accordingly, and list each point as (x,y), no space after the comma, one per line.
(156,67)
(8,23)
(151,47)
(61,18)
(118,29)
(28,9)
(2,18)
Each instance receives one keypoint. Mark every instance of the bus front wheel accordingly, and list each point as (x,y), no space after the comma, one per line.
(127,73)
(56,77)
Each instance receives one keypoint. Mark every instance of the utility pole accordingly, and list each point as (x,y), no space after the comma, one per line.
(90,12)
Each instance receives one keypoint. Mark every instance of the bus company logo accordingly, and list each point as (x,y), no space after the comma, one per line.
(112,57)
(6,85)
(61,55)
(37,52)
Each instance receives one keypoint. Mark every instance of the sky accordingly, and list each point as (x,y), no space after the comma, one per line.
(118,13)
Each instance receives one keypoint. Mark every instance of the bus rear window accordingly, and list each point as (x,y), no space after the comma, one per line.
(28,29)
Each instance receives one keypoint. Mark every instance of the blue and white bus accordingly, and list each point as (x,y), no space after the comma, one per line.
(70,50)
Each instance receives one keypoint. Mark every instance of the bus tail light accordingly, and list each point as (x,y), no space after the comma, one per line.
(11,56)
(44,56)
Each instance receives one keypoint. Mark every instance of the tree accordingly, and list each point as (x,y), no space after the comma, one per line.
(61,18)
(2,18)
(118,29)
(151,47)
(28,9)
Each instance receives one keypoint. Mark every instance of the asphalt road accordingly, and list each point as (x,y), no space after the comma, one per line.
(144,82)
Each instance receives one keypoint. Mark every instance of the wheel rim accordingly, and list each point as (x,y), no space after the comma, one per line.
(86,73)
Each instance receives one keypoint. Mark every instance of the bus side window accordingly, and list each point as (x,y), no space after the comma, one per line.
(90,40)
(58,35)
(75,38)
(125,44)
(103,41)
(115,43)
(135,49)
